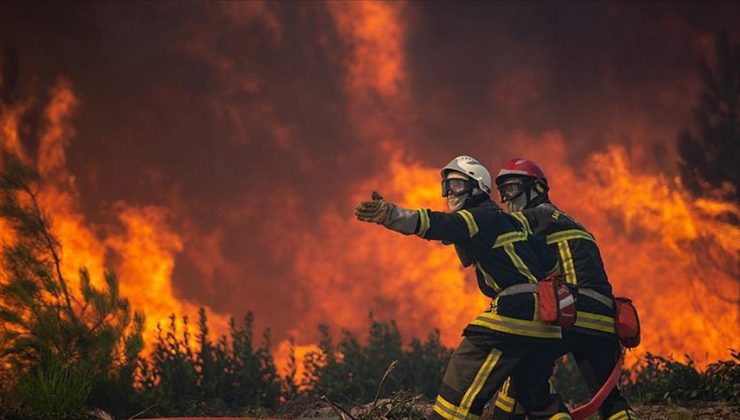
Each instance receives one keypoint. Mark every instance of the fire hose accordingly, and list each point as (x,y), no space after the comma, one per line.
(591,407)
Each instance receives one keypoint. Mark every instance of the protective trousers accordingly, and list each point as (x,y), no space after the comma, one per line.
(481,365)
(595,356)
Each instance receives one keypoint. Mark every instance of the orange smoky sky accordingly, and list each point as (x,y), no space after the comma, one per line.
(212,153)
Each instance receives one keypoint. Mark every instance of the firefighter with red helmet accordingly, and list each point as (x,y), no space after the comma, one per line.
(523,189)
(507,339)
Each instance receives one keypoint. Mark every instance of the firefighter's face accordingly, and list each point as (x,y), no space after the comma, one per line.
(513,195)
(455,188)
(516,204)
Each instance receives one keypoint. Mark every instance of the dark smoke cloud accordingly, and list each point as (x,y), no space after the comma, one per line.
(235,116)
(597,72)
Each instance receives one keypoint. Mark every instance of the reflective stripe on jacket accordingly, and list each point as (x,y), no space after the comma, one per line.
(503,255)
(580,262)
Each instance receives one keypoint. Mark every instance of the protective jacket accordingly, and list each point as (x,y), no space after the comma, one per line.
(592,339)
(498,245)
(580,264)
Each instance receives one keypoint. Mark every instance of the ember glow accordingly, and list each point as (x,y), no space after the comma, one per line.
(214,160)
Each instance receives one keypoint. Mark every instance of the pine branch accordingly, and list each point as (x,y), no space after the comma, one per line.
(50,245)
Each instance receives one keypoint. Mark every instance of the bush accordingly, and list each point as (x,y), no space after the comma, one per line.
(351,372)
(722,379)
(230,377)
(660,379)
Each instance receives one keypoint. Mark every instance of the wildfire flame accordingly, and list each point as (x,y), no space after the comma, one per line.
(675,256)
(143,242)
(656,241)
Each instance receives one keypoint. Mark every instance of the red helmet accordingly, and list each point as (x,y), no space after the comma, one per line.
(522,167)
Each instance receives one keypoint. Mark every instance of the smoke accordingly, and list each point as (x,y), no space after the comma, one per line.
(257,125)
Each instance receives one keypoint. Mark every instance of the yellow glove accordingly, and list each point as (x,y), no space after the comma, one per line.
(376,210)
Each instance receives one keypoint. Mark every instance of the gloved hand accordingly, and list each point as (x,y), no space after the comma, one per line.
(376,210)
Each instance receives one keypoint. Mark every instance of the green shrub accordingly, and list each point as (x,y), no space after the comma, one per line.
(722,379)
(55,389)
(351,372)
(202,378)
(659,379)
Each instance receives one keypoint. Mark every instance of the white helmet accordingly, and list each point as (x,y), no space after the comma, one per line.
(468,166)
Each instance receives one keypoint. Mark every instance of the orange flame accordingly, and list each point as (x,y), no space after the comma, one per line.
(647,229)
(143,241)
(667,251)
(674,255)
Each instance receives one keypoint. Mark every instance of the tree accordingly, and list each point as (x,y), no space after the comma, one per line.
(708,160)
(70,347)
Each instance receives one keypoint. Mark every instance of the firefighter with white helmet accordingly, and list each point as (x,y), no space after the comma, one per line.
(523,189)
(507,339)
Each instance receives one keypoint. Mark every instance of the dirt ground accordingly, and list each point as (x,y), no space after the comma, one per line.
(687,411)
(699,410)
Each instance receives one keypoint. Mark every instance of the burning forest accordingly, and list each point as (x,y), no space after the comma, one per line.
(211,155)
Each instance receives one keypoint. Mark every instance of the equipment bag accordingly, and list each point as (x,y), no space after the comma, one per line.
(626,322)
(557,303)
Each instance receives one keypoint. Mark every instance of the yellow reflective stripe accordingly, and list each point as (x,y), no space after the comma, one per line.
(561,416)
(518,263)
(523,220)
(508,238)
(623,415)
(470,221)
(535,310)
(596,322)
(569,269)
(445,409)
(507,399)
(566,235)
(505,388)
(516,326)
(488,279)
(423,222)
(480,379)
(507,403)
(504,405)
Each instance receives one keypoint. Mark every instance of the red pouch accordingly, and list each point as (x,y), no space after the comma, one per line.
(626,322)
(557,304)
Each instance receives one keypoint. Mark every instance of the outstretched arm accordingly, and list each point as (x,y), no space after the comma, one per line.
(450,227)
(382,212)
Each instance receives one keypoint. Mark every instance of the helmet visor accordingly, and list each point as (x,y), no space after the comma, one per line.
(455,186)
(510,190)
